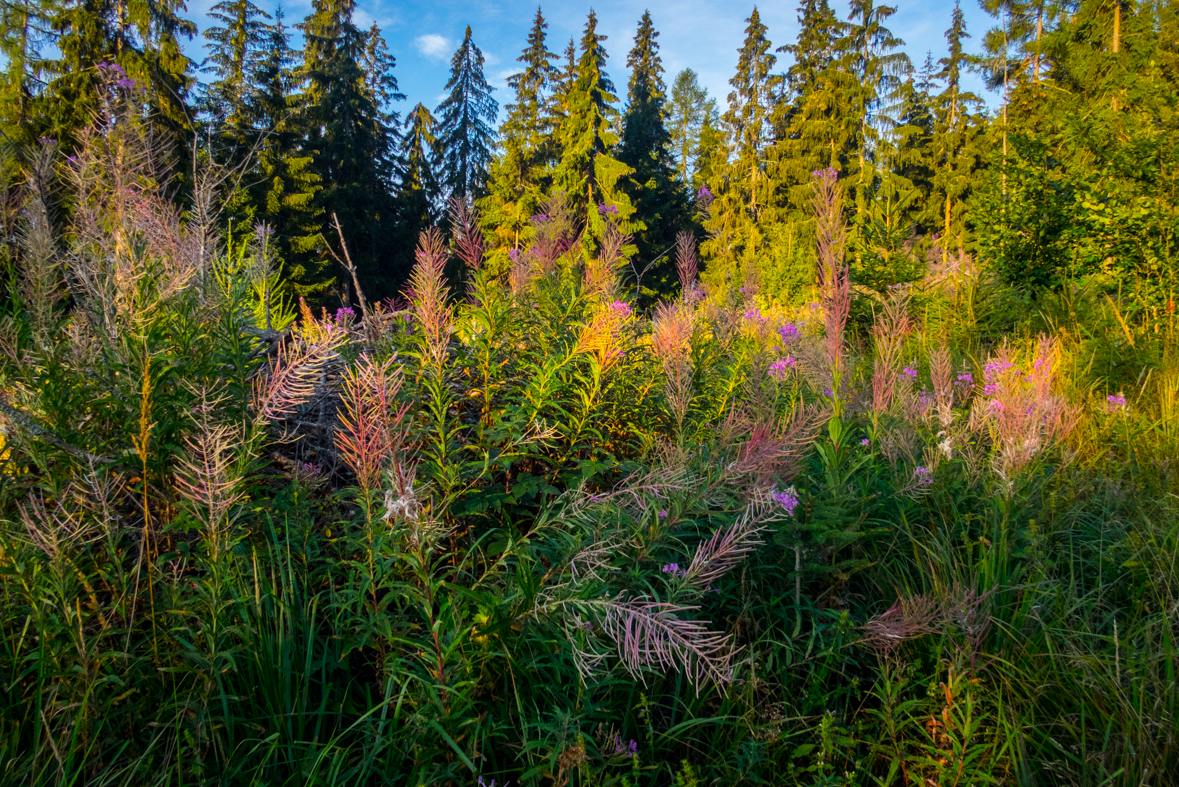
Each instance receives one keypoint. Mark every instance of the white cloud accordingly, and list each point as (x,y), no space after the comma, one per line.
(490,59)
(433,46)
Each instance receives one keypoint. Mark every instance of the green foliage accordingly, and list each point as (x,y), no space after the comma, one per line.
(465,134)
(919,530)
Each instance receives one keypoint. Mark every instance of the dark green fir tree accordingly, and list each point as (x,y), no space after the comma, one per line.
(466,137)
(659,200)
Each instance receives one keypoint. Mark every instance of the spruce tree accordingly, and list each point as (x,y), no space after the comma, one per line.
(741,190)
(914,159)
(954,135)
(528,127)
(750,105)
(235,47)
(687,111)
(420,194)
(816,128)
(520,173)
(812,51)
(465,135)
(344,127)
(24,24)
(870,55)
(588,174)
(142,40)
(282,189)
(646,148)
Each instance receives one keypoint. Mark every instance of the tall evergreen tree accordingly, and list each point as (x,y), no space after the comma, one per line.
(236,47)
(816,128)
(750,104)
(813,52)
(588,174)
(283,187)
(871,56)
(520,173)
(687,111)
(142,39)
(345,129)
(465,134)
(914,160)
(528,127)
(742,192)
(954,134)
(646,148)
(419,194)
(24,31)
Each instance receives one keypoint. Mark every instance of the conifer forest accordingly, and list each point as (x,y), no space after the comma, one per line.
(591,430)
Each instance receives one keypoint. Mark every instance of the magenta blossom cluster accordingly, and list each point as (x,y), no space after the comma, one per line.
(607,210)
(624,748)
(965,380)
(923,476)
(788,332)
(1115,402)
(910,372)
(780,368)
(663,514)
(674,569)
(788,499)
(754,314)
(991,374)
(345,314)
(621,308)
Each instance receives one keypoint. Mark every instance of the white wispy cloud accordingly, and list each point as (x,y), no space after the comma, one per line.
(433,46)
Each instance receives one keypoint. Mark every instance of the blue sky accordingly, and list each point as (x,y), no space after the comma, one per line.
(700,34)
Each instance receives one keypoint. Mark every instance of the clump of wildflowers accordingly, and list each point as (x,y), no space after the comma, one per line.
(788,332)
(1116,403)
(923,476)
(787,498)
(674,570)
(780,368)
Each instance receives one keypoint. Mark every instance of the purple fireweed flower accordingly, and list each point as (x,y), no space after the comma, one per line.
(621,308)
(779,368)
(865,442)
(829,172)
(482,783)
(787,498)
(624,748)
(513,255)
(127,83)
(607,210)
(966,380)
(343,314)
(788,332)
(754,315)
(674,569)
(909,371)
(829,393)
(704,193)
(664,514)
(923,476)
(47,140)
(1115,402)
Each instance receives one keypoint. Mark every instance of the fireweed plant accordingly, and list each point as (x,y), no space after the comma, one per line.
(516,531)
